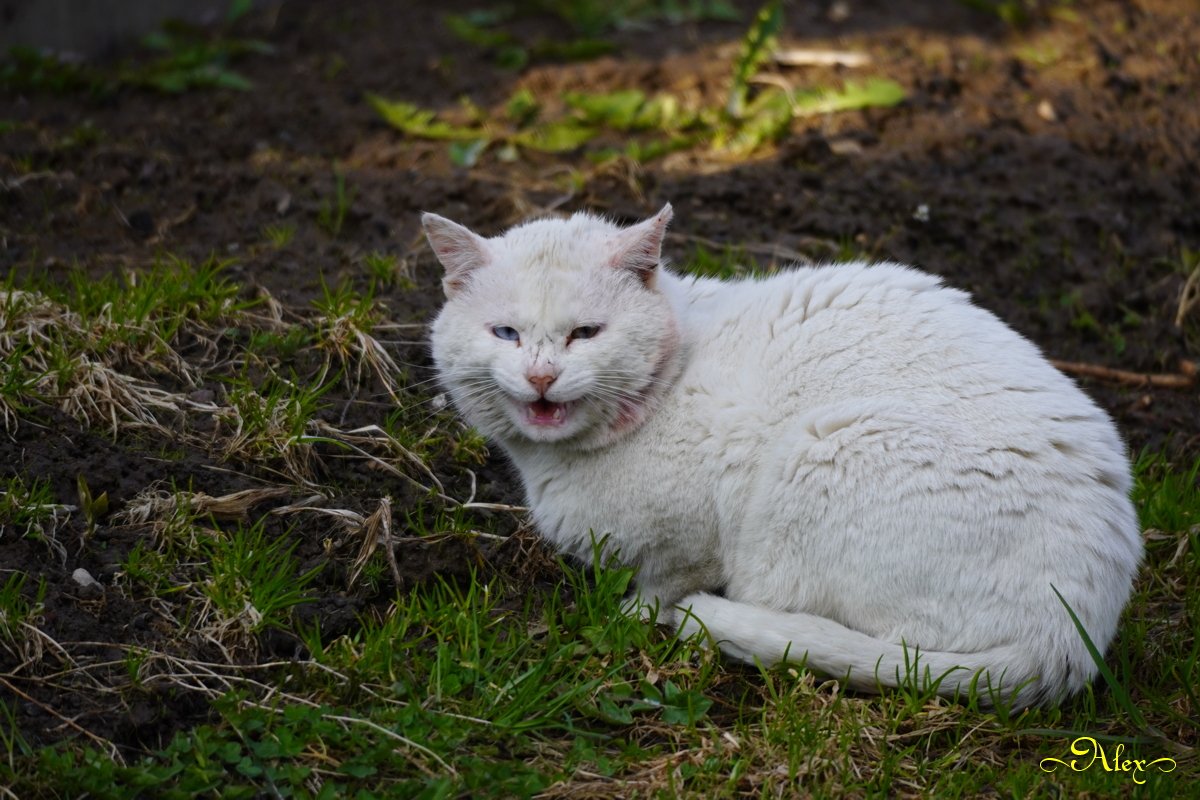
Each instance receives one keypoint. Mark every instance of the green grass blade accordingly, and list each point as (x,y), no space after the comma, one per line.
(1119,692)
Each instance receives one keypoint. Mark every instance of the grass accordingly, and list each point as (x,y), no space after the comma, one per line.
(331,215)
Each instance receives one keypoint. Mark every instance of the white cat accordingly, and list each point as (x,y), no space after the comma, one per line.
(850,466)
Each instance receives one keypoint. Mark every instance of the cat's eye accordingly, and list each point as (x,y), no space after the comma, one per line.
(583,332)
(506,333)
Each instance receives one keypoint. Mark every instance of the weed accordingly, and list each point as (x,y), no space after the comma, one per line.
(388,270)
(28,509)
(280,235)
(343,330)
(270,422)
(93,506)
(253,580)
(18,617)
(331,216)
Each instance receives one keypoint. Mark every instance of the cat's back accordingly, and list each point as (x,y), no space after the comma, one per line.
(769,355)
(816,335)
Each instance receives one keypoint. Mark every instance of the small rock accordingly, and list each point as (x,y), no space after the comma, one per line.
(1046,111)
(84,578)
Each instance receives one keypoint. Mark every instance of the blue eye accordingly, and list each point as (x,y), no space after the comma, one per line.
(583,332)
(506,333)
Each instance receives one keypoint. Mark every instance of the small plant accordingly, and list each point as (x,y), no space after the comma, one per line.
(344,331)
(388,270)
(253,579)
(280,235)
(271,422)
(28,509)
(187,59)
(18,616)
(93,507)
(332,214)
(148,568)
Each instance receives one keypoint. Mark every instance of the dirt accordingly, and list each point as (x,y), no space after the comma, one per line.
(1050,170)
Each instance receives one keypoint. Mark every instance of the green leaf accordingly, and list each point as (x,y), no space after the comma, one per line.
(555,137)
(608,710)
(522,108)
(875,93)
(466,153)
(420,122)
(616,109)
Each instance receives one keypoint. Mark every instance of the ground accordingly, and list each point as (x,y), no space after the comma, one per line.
(1045,164)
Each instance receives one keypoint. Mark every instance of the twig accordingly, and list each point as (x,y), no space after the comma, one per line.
(1183,379)
(821,58)
(1189,298)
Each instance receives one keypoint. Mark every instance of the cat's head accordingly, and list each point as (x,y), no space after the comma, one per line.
(556,331)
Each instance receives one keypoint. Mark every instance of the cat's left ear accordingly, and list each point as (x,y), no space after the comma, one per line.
(639,248)
(460,250)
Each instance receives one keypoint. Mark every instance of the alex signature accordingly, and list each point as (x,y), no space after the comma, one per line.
(1090,753)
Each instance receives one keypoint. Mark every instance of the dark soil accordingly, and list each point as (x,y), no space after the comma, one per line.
(1050,170)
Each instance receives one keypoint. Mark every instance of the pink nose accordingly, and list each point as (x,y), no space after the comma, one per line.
(541,382)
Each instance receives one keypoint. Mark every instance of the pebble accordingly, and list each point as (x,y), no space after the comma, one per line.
(84,578)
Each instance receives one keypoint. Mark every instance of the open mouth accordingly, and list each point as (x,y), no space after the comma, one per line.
(546,413)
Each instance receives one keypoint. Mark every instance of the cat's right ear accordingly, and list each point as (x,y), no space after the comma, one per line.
(460,250)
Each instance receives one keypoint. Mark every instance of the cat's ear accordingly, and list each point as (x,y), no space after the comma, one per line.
(639,248)
(460,250)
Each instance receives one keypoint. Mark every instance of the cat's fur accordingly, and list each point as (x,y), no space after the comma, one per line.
(849,465)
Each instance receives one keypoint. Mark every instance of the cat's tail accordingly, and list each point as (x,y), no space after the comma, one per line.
(1009,673)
